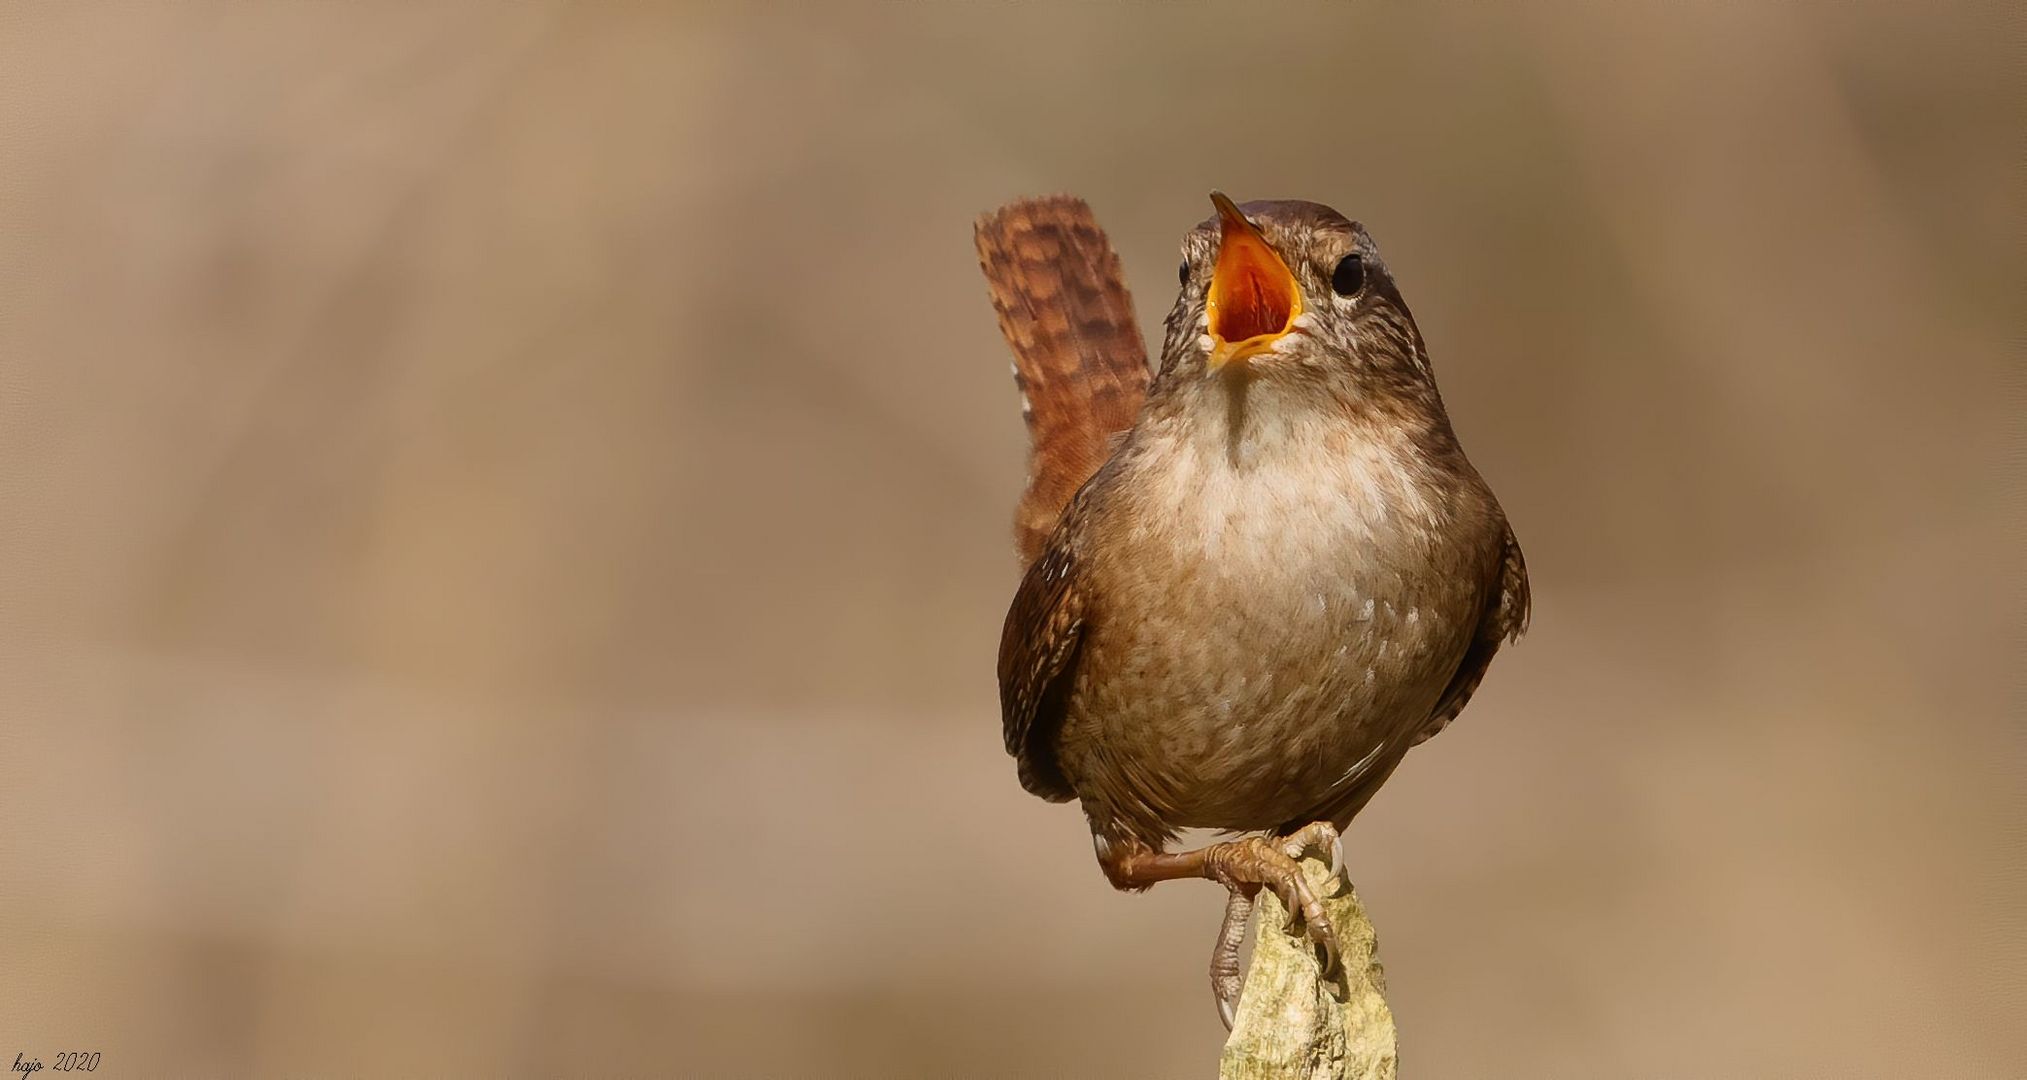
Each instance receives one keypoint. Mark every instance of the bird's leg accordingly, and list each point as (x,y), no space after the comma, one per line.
(1226,978)
(1242,866)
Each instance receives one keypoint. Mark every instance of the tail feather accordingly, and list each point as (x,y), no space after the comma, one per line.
(1079,361)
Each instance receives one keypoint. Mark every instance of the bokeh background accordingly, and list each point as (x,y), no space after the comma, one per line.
(505,521)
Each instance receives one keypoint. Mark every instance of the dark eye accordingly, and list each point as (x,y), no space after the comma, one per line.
(1349,277)
(1182,273)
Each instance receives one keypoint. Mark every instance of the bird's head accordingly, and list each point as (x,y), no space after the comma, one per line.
(1288,288)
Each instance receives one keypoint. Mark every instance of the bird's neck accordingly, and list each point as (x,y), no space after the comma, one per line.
(1252,421)
(1273,460)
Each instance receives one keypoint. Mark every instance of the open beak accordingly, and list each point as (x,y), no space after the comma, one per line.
(1254,298)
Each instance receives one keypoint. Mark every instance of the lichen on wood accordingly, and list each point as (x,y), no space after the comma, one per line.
(1294,1023)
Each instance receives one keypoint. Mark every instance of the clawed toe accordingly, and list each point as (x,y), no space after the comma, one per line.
(1318,836)
(1306,918)
(1325,940)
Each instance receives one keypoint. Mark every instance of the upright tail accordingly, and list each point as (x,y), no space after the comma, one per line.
(1078,358)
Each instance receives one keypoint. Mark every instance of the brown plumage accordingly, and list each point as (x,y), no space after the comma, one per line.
(1078,358)
(1284,576)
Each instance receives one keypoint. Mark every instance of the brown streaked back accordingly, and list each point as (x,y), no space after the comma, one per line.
(1078,357)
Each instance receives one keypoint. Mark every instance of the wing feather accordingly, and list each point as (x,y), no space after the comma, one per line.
(1037,665)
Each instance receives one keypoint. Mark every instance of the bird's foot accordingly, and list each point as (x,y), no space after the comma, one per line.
(1244,867)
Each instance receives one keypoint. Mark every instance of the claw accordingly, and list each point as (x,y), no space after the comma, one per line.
(1317,835)
(1292,900)
(1225,1013)
(1316,926)
(1326,958)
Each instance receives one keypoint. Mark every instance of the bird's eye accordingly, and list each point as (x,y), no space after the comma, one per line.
(1182,273)
(1349,277)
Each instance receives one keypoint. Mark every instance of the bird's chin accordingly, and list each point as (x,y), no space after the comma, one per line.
(1224,357)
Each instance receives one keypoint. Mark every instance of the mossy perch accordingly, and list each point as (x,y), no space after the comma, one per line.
(1293,1023)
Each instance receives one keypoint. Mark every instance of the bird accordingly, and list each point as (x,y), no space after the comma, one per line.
(1254,577)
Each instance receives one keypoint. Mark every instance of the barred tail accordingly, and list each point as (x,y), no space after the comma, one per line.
(1079,360)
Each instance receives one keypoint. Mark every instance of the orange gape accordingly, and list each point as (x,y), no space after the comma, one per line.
(1250,307)
(1078,356)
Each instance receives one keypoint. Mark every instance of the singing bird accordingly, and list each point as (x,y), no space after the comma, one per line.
(1253,582)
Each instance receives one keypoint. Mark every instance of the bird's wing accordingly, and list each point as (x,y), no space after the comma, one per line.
(1504,619)
(1078,357)
(1037,663)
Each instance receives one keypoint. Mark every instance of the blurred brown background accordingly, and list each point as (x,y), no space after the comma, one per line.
(506,525)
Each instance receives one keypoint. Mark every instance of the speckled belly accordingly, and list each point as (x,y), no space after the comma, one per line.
(1279,705)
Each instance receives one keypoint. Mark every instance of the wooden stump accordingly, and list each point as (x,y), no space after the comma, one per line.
(1292,1023)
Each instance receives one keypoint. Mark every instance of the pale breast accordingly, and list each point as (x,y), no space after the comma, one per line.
(1267,629)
